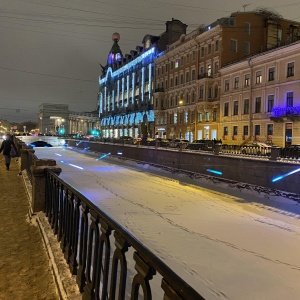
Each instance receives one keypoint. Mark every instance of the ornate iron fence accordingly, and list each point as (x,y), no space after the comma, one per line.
(102,269)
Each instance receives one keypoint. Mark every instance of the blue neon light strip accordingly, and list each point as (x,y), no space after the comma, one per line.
(103,156)
(285,175)
(75,166)
(127,66)
(214,171)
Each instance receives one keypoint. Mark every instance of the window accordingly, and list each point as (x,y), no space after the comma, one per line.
(209,93)
(181,61)
(202,51)
(187,58)
(232,21)
(245,130)
(236,82)
(246,48)
(187,77)
(217,46)
(271,76)
(209,49)
(176,80)
(176,63)
(235,130)
(166,84)
(156,102)
(290,69)
(226,109)
(225,131)
(216,92)
(270,129)
(193,96)
(171,82)
(216,67)
(235,108)
(247,80)
(175,118)
(162,103)
(214,115)
(193,75)
(200,117)
(201,92)
(258,77)
(270,103)
(233,45)
(246,106)
(289,99)
(194,55)
(181,79)
(227,85)
(186,117)
(247,28)
(209,70)
(257,129)
(207,116)
(257,104)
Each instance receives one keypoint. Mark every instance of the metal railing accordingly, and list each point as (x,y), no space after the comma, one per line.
(86,234)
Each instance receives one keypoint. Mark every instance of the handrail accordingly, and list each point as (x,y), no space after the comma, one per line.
(85,234)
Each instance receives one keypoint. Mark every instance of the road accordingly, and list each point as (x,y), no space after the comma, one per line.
(225,243)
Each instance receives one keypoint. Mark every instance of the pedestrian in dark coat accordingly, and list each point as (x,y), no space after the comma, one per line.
(6,147)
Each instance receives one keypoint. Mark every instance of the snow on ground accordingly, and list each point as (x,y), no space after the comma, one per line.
(224,242)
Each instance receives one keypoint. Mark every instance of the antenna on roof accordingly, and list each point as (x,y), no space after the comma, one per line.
(245,5)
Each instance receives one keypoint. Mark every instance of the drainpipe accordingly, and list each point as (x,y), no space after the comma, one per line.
(250,100)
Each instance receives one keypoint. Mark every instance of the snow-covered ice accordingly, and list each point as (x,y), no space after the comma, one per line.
(227,244)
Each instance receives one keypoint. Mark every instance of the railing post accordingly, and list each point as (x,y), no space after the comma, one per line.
(274,153)
(217,148)
(24,156)
(39,180)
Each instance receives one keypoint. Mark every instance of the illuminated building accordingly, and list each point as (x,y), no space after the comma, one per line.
(188,79)
(266,104)
(126,85)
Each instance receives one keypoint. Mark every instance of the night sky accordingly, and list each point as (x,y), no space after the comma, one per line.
(51,49)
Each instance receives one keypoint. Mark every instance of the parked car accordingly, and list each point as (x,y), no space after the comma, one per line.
(177,142)
(292,151)
(147,141)
(162,142)
(125,139)
(40,144)
(205,145)
(256,148)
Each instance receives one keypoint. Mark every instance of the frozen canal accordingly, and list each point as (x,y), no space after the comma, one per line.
(224,243)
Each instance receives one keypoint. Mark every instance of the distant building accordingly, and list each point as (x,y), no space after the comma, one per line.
(188,79)
(56,119)
(126,85)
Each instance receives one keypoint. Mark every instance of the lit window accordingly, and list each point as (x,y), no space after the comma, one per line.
(176,63)
(258,77)
(247,80)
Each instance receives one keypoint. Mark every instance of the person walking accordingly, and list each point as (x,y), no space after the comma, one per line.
(6,148)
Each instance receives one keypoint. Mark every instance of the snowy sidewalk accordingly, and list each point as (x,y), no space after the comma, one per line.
(24,265)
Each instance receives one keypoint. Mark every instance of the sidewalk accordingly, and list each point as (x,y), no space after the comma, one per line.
(25,271)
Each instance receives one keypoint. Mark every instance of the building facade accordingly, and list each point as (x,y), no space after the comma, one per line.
(126,85)
(56,119)
(264,105)
(188,79)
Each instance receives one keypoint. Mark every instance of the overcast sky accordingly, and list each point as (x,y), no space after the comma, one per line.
(51,49)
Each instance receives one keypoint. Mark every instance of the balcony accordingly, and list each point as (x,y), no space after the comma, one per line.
(285,113)
(204,75)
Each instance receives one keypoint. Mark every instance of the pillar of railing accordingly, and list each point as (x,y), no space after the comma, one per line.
(38,182)
(25,156)
(274,153)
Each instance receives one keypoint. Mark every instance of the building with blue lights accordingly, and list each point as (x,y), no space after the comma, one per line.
(126,85)
(265,106)
(189,81)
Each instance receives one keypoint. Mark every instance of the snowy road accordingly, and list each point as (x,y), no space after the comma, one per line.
(224,243)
